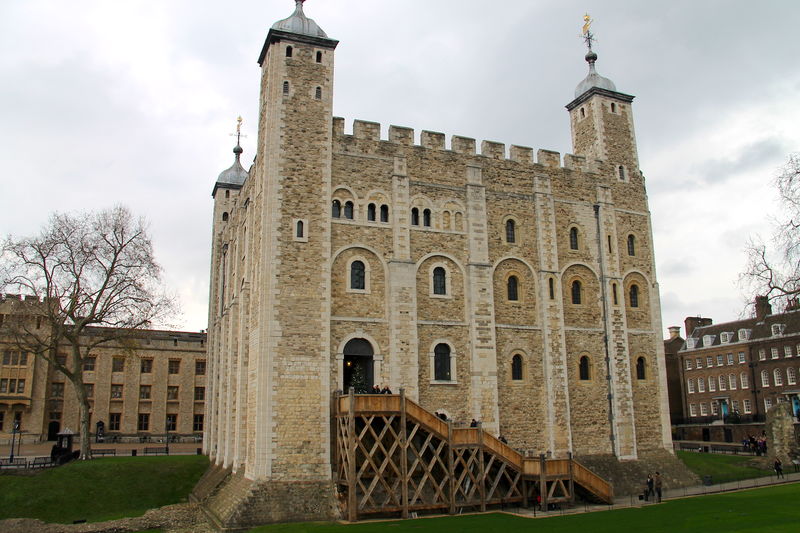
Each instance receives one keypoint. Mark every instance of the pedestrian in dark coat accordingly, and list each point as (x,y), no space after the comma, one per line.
(657,482)
(778,468)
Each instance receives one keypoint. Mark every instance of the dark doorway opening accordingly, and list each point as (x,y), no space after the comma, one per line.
(358,366)
(706,435)
(53,428)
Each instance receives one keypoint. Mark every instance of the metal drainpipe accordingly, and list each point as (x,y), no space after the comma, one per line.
(604,297)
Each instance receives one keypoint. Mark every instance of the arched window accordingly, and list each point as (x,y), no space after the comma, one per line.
(583,369)
(336,209)
(357,276)
(723,383)
(764,378)
(583,113)
(778,377)
(640,368)
(573,238)
(446,220)
(348,210)
(613,107)
(791,376)
(439,281)
(318,93)
(510,231)
(634,294)
(576,292)
(415,216)
(371,212)
(516,367)
(513,286)
(426,218)
(621,171)
(552,285)
(319,57)
(631,245)
(225,216)
(744,382)
(286,87)
(384,213)
(288,51)
(459,221)
(300,231)
(441,362)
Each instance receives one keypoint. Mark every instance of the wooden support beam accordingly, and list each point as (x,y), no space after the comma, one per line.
(571,481)
(482,478)
(403,455)
(543,480)
(451,472)
(352,500)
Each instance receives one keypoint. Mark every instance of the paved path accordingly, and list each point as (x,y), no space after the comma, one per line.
(41,449)
(633,501)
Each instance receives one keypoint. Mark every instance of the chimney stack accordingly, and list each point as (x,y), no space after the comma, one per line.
(763,308)
(674,332)
(693,322)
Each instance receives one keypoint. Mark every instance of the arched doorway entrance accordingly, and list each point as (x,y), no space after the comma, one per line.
(52,430)
(358,366)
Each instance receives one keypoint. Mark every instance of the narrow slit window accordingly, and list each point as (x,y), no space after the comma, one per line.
(384,213)
(415,217)
(640,368)
(576,292)
(621,171)
(318,93)
(634,294)
(573,238)
(513,288)
(552,285)
(371,212)
(614,293)
(511,231)
(583,369)
(441,363)
(516,367)
(631,245)
(426,218)
(357,275)
(286,87)
(300,230)
(439,281)
(319,57)
(288,51)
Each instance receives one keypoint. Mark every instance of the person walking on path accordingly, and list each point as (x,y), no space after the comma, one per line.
(779,468)
(658,485)
(649,488)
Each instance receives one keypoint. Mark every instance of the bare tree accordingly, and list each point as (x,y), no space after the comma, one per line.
(773,270)
(93,280)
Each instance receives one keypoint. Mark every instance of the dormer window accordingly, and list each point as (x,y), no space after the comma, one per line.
(744,334)
(691,343)
(725,337)
(777,329)
(708,340)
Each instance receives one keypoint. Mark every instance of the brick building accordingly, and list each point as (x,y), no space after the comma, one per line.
(152,385)
(488,282)
(733,372)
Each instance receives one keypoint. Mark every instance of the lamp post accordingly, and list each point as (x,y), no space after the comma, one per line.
(166,433)
(14,430)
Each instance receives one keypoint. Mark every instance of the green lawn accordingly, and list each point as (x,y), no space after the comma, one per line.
(101,489)
(721,468)
(768,510)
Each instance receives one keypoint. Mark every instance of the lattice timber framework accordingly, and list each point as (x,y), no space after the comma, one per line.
(393,456)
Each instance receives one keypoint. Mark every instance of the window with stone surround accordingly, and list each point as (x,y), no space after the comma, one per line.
(349,212)
(89,364)
(172,392)
(384,213)
(285,88)
(199,394)
(147,366)
(143,423)
(114,420)
(573,238)
(576,292)
(440,281)
(174,366)
(171,422)
(197,423)
(512,288)
(442,362)
(640,368)
(200,368)
(551,284)
(621,172)
(300,229)
(634,295)
(426,218)
(415,216)
(631,244)
(118,364)
(372,212)
(358,280)
(336,209)
(116,391)
(584,368)
(318,93)
(614,297)
(516,367)
(319,57)
(145,392)
(288,51)
(511,231)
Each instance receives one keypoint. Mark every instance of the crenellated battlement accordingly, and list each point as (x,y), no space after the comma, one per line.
(433,140)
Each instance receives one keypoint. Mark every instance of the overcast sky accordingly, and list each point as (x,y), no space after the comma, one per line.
(133,102)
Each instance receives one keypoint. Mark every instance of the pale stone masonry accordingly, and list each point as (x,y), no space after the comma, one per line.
(487,283)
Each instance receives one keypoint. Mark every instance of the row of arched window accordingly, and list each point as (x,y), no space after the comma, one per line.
(585,368)
(777,377)
(290,53)
(574,242)
(346,210)
(723,382)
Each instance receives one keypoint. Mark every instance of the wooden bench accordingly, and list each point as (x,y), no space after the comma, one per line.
(17,462)
(41,462)
(103,451)
(161,450)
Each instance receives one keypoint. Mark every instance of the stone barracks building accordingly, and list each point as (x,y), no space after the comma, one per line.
(488,282)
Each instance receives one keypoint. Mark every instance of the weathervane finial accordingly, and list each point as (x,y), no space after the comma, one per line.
(587,34)
(238,130)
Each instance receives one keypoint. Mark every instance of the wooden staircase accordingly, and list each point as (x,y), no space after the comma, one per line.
(392,456)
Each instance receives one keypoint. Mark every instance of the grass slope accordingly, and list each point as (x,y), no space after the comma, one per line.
(101,489)
(722,468)
(768,510)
